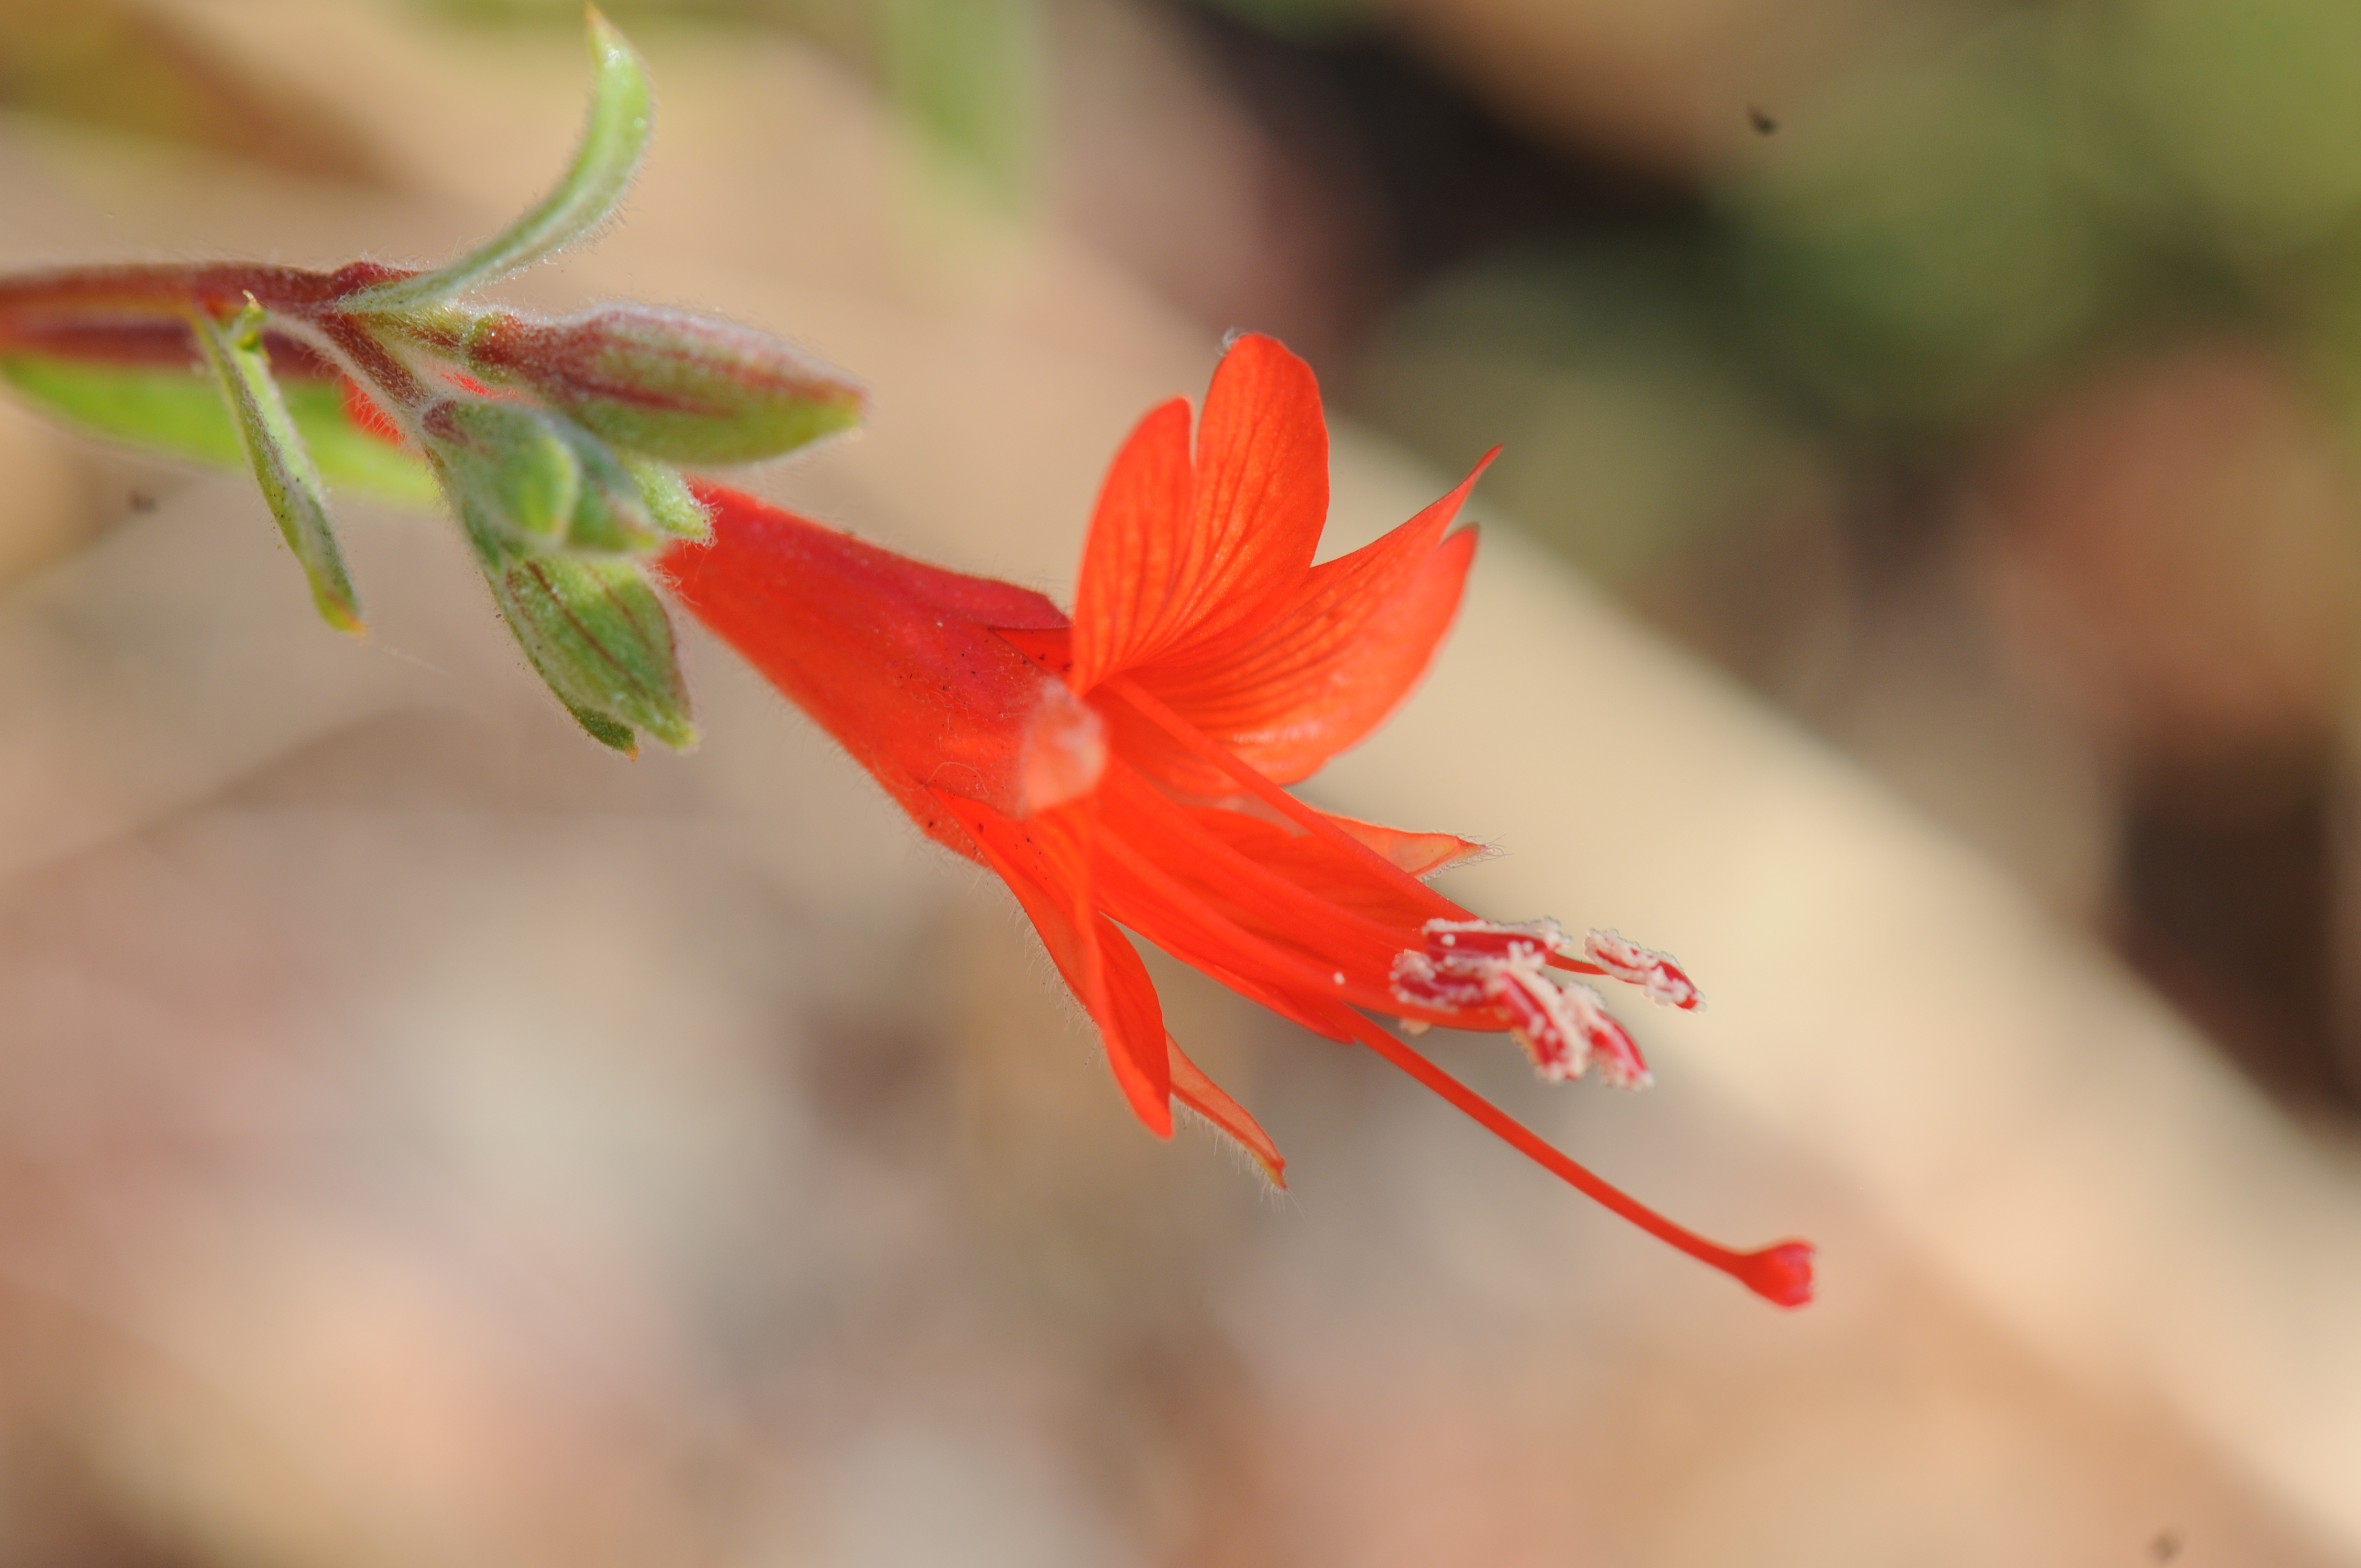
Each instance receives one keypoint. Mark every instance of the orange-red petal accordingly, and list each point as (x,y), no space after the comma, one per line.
(1126,598)
(1045,858)
(1133,1023)
(1339,656)
(1334,874)
(1202,1095)
(1420,854)
(1183,561)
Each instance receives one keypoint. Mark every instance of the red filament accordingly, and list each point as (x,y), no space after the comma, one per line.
(1781,1273)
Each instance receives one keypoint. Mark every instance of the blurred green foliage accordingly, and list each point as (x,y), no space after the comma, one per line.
(1928,238)
(1604,372)
(967,75)
(121,66)
(1971,214)
(1301,18)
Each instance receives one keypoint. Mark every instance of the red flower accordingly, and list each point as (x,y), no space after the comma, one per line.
(1122,770)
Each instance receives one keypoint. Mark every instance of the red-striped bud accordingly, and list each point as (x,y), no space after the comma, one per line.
(687,388)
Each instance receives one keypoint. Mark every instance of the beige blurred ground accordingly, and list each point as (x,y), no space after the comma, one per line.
(432,1140)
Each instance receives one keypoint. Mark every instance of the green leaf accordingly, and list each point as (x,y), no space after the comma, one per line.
(179,413)
(353,459)
(282,466)
(612,142)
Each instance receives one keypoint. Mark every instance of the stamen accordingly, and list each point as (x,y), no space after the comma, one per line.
(1781,1273)
(1483,963)
(1579,1031)
(1494,938)
(1654,972)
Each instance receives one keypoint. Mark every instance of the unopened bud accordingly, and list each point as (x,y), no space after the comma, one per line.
(595,631)
(684,388)
(526,480)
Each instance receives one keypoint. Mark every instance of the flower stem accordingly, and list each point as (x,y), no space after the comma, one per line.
(168,290)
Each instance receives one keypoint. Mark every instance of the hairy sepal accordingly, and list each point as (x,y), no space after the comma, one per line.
(596,632)
(526,480)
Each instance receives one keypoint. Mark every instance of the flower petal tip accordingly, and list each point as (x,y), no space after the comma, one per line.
(1154,1113)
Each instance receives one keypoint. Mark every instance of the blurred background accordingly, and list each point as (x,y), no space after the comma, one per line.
(422,1140)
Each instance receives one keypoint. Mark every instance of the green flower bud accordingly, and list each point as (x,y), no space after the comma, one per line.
(526,480)
(595,631)
(687,388)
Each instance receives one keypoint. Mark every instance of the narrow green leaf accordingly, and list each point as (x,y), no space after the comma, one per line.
(282,466)
(179,413)
(612,142)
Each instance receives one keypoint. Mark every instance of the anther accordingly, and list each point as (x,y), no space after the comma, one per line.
(1654,972)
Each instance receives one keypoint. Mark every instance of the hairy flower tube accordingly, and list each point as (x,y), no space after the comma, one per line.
(1122,770)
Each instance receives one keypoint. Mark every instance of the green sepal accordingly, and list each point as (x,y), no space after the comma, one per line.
(672,505)
(177,412)
(524,478)
(613,140)
(595,630)
(606,732)
(282,466)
